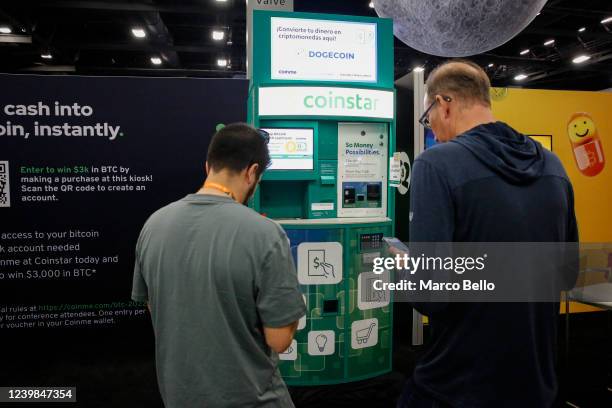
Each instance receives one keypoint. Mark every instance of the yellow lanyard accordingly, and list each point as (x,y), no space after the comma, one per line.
(221,188)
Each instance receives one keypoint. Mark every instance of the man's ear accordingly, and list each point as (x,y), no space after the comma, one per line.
(444,106)
(207,168)
(252,173)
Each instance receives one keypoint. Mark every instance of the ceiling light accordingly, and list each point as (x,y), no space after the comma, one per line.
(5,30)
(524,52)
(222,63)
(218,35)
(581,58)
(418,69)
(371,4)
(156,60)
(520,77)
(581,29)
(606,20)
(220,1)
(139,32)
(46,55)
(491,65)
(549,42)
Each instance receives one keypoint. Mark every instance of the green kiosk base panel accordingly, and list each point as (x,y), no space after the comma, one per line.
(347,332)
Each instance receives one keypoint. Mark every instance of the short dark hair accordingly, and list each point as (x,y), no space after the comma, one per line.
(236,147)
(461,79)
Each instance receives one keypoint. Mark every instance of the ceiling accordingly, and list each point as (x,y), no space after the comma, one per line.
(95,38)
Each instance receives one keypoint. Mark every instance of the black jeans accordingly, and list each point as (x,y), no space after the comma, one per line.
(414,398)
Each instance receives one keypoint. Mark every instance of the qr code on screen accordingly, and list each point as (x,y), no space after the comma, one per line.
(5,191)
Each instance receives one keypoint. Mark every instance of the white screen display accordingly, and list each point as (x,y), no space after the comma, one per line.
(291,149)
(323,50)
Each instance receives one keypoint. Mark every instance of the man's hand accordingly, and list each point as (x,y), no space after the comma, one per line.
(394,251)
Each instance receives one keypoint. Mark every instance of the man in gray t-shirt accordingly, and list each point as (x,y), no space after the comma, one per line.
(221,285)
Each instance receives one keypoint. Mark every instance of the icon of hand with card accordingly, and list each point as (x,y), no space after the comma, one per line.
(317,264)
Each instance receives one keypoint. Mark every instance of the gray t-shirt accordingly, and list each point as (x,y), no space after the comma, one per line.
(214,273)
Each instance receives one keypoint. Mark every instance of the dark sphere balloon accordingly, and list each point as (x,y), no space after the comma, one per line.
(457,28)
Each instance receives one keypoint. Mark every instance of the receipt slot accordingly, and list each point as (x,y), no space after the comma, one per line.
(322,87)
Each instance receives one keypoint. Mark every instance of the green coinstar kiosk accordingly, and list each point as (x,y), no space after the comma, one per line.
(322,87)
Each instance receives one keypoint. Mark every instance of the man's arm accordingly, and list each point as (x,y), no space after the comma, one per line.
(432,217)
(279,301)
(140,290)
(432,213)
(279,338)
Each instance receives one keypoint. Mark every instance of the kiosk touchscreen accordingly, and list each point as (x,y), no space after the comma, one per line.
(291,149)
(322,88)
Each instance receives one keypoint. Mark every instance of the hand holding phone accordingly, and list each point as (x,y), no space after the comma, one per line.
(396,247)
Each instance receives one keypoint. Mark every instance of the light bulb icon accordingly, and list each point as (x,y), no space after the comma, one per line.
(321,341)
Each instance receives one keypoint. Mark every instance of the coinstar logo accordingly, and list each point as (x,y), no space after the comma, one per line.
(332,101)
(325,101)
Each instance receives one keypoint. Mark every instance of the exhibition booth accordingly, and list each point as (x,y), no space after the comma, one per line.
(85,160)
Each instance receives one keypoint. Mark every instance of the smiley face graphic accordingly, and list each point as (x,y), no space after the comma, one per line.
(581,128)
(586,144)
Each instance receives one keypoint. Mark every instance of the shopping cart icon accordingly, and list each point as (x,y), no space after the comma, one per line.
(363,335)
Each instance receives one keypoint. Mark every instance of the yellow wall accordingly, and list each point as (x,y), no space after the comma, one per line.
(542,112)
